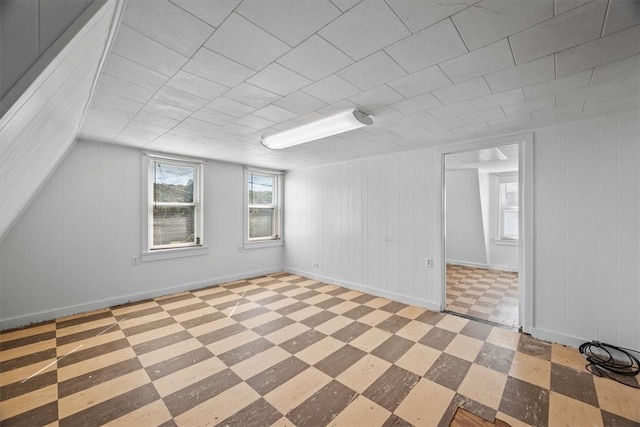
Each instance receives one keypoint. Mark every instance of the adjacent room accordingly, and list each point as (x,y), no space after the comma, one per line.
(319,212)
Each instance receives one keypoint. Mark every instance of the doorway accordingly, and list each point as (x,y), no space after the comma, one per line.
(482,234)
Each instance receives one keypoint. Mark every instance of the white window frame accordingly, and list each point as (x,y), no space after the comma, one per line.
(499,236)
(153,252)
(277,204)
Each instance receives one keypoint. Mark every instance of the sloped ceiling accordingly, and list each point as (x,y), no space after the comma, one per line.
(208,78)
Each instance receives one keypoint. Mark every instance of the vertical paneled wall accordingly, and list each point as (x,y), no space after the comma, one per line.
(370,224)
(367,224)
(72,249)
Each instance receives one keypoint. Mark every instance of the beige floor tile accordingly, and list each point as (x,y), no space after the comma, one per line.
(411,312)
(27,332)
(425,404)
(333,325)
(375,317)
(618,398)
(567,412)
(27,349)
(418,359)
(370,339)
(166,353)
(283,422)
(452,323)
(262,295)
(261,319)
(20,374)
(219,407)
(277,305)
(187,376)
(483,385)
(26,402)
(294,292)
(143,320)
(318,351)
(361,412)
(232,342)
(101,324)
(288,332)
(304,313)
(195,313)
(531,369)
(568,356)
(95,363)
(343,307)
(155,334)
(414,330)
(297,390)
(153,414)
(90,342)
(223,298)
(513,422)
(260,362)
(504,338)
(377,302)
(363,373)
(318,298)
(351,295)
(199,330)
(239,308)
(464,347)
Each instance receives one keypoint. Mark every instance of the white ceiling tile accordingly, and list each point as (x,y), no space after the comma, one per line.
(420,82)
(246,43)
(434,44)
(463,91)
(254,122)
(98,132)
(116,102)
(622,14)
(156,119)
(558,85)
(150,128)
(385,113)
(543,103)
(420,14)
(570,111)
(196,85)
(368,27)
(419,118)
(127,70)
(141,49)
(372,71)
(485,60)
(616,69)
(345,5)
(252,95)
(300,103)
(230,106)
(278,79)
(567,30)
(290,21)
(168,110)
(482,116)
(235,129)
(274,113)
(499,99)
(213,13)
(106,113)
(167,24)
(599,90)
(530,73)
(180,99)
(213,117)
(416,104)
(471,130)
(492,20)
(452,110)
(212,66)
(127,90)
(315,58)
(200,127)
(376,98)
(564,5)
(599,52)
(630,85)
(331,89)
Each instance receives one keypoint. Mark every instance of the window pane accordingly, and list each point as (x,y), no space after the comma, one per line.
(511,194)
(260,189)
(510,224)
(173,225)
(173,183)
(261,222)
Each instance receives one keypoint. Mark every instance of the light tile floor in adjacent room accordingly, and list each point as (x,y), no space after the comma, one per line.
(285,350)
(483,294)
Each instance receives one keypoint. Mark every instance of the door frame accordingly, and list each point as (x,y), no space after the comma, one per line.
(526,220)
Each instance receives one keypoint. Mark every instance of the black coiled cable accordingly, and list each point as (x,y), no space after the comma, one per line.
(606,360)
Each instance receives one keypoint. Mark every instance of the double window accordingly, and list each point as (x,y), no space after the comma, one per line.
(174,208)
(263,206)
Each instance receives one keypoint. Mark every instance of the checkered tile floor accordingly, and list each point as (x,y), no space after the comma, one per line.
(285,350)
(483,294)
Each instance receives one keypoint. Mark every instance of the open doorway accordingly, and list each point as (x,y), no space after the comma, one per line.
(481,212)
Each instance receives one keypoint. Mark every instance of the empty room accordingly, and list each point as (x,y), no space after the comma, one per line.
(319,212)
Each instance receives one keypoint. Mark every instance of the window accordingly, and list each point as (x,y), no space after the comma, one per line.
(174,211)
(508,202)
(263,206)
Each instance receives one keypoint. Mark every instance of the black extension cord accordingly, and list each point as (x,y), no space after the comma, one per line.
(606,360)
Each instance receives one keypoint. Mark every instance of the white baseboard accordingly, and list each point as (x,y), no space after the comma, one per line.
(555,337)
(42,316)
(486,266)
(430,305)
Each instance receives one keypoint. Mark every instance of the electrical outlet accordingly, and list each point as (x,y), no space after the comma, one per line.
(315,264)
(135,260)
(429,262)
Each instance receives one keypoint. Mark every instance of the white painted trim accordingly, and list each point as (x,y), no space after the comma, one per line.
(430,305)
(479,265)
(24,320)
(526,253)
(551,336)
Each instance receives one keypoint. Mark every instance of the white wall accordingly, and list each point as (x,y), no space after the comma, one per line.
(71,250)
(371,223)
(465,235)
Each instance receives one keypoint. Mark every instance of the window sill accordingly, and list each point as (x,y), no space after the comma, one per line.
(501,242)
(262,244)
(162,254)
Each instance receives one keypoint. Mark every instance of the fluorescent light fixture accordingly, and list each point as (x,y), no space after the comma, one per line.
(332,125)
